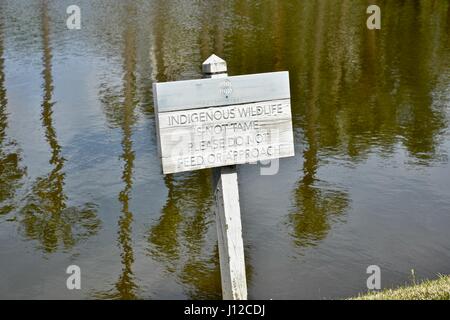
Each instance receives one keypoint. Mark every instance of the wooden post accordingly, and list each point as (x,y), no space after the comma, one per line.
(186,113)
(228,213)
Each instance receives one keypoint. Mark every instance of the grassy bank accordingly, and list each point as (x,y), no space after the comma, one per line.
(427,290)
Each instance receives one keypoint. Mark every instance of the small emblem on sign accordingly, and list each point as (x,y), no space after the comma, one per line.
(226,88)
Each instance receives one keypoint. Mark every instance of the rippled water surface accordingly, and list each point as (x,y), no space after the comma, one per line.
(80,179)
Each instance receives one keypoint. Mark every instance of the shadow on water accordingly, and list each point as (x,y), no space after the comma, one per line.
(11,170)
(46,216)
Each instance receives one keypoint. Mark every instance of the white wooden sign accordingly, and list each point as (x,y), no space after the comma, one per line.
(220,122)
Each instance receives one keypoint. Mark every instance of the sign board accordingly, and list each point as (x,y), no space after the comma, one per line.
(226,121)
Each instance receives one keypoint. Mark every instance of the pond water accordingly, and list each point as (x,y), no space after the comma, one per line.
(81,182)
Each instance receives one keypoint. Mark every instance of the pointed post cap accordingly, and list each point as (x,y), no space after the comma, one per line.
(214,65)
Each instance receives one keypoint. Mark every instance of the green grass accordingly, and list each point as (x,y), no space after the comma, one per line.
(427,290)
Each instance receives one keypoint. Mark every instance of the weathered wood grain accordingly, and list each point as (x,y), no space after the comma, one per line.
(202,93)
(229,233)
(204,138)
(214,65)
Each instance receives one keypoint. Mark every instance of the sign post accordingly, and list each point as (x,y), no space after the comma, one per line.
(219,122)
(228,213)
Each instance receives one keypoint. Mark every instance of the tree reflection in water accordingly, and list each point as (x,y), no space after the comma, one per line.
(46,216)
(361,93)
(11,171)
(183,239)
(179,239)
(317,204)
(119,108)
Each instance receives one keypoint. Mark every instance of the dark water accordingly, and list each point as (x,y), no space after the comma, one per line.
(80,179)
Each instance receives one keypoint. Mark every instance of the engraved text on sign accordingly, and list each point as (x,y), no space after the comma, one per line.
(222,135)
